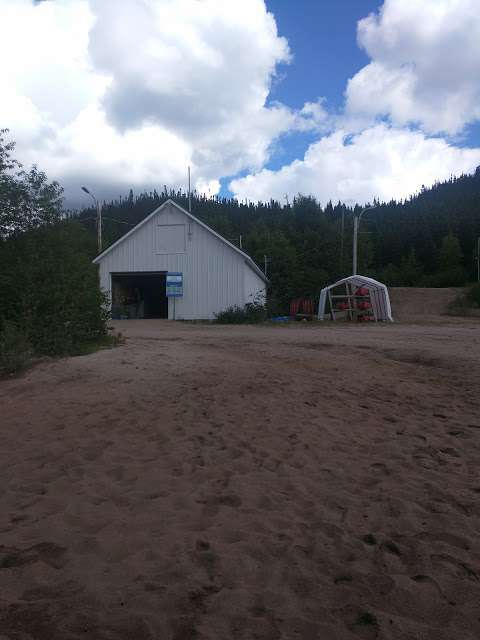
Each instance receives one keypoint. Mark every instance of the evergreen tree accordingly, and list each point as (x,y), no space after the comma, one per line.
(450,255)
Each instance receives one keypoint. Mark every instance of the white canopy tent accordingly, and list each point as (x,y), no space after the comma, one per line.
(373,301)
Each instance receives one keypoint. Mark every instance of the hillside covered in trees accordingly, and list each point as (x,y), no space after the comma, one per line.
(428,240)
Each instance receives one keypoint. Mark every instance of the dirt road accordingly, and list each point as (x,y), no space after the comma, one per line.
(205,482)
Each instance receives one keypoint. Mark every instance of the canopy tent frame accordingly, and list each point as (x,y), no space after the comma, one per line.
(377,296)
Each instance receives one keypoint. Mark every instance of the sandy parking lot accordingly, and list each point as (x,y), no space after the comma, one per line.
(206,482)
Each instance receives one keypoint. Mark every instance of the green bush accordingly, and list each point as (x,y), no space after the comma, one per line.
(15,350)
(467,303)
(473,295)
(50,289)
(251,313)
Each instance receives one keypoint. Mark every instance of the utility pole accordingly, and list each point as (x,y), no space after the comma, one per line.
(356,224)
(98,206)
(189,193)
(355,244)
(266,260)
(341,242)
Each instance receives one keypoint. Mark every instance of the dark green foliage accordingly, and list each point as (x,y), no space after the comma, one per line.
(450,271)
(450,256)
(467,303)
(50,288)
(27,199)
(473,295)
(251,313)
(15,350)
(407,274)
(428,240)
(50,297)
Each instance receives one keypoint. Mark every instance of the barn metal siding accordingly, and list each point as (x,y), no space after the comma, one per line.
(215,276)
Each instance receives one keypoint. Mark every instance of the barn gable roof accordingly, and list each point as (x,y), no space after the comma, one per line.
(246,257)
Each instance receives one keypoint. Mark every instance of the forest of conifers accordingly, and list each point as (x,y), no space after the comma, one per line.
(428,240)
(52,303)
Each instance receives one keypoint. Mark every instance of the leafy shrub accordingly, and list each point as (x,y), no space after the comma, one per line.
(50,288)
(467,303)
(473,295)
(251,313)
(15,350)
(51,299)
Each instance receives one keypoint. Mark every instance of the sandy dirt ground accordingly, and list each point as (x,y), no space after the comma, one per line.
(204,482)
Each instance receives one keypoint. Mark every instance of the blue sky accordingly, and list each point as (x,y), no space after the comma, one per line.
(322,38)
(346,100)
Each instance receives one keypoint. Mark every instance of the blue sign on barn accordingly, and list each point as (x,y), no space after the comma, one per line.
(174,285)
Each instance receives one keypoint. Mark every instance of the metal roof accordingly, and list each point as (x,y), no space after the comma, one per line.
(247,258)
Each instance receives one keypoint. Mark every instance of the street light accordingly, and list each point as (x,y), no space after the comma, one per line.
(356,223)
(98,206)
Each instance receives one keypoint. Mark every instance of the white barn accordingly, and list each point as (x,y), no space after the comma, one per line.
(215,273)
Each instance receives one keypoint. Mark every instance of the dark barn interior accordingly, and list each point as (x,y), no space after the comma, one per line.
(139,295)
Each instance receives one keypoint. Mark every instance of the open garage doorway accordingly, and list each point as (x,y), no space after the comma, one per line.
(139,295)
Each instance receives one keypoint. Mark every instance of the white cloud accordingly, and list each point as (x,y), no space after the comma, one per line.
(424,76)
(380,162)
(425,66)
(129,93)
(118,94)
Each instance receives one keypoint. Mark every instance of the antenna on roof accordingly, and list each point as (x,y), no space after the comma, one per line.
(189,193)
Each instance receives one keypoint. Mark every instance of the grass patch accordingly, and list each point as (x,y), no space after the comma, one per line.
(109,341)
(16,353)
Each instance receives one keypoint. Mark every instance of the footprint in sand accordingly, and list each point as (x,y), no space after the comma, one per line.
(447,538)
(458,433)
(380,468)
(455,567)
(390,547)
(449,451)
(57,592)
(206,557)
(231,536)
(48,552)
(381,584)
(428,581)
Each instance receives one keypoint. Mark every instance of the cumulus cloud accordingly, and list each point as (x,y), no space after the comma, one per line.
(380,162)
(423,80)
(188,65)
(425,65)
(118,94)
(135,91)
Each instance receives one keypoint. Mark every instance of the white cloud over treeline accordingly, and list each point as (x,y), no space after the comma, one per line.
(119,94)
